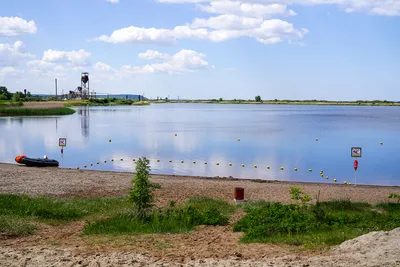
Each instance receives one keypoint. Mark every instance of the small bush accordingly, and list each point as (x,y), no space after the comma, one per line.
(141,195)
(35,112)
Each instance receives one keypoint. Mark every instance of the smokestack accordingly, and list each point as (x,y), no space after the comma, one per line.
(56,87)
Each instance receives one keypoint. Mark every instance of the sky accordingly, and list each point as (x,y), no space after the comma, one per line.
(203,49)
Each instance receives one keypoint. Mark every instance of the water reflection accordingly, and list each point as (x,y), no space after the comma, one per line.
(84,114)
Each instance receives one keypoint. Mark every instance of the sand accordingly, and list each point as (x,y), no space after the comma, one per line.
(44,105)
(208,246)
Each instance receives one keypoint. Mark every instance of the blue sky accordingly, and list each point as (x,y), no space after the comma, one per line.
(285,49)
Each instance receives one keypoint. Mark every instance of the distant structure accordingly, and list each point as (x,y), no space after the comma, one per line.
(83,91)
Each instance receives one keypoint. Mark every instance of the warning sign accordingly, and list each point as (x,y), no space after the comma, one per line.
(356,152)
(62,142)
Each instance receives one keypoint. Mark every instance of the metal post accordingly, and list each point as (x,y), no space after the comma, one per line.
(355,178)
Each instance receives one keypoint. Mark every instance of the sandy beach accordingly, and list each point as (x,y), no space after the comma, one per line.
(208,246)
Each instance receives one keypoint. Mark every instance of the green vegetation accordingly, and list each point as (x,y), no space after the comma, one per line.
(19,213)
(323,224)
(395,196)
(35,111)
(286,102)
(141,194)
(14,226)
(182,219)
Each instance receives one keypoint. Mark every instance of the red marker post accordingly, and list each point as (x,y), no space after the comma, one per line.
(355,165)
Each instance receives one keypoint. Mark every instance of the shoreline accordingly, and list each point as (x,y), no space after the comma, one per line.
(214,178)
(57,182)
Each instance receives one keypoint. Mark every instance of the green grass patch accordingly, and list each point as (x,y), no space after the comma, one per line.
(58,210)
(325,224)
(35,112)
(181,219)
(14,226)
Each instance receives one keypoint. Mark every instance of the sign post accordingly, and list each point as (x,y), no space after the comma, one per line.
(62,142)
(356,153)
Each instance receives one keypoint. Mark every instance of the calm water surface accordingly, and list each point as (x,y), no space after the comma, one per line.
(270,135)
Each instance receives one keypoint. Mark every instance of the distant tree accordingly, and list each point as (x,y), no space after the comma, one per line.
(18,96)
(258,98)
(4,93)
(28,94)
(220,99)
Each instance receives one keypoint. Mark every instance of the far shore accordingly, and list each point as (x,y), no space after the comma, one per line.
(285,102)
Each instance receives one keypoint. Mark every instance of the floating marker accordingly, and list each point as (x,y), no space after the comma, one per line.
(349,182)
(322,175)
(194,162)
(170,160)
(109,140)
(255,166)
(268,167)
(122,159)
(310,170)
(182,161)
(217,163)
(230,164)
(242,165)
(295,169)
(282,169)
(105,161)
(112,160)
(381,143)
(205,162)
(238,139)
(176,134)
(77,168)
(133,159)
(84,166)
(322,171)
(98,163)
(158,160)
(335,180)
(327,177)
(345,182)
(316,139)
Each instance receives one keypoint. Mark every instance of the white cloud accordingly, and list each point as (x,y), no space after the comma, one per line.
(13,26)
(13,54)
(76,58)
(102,67)
(376,7)
(113,1)
(227,27)
(181,62)
(151,55)
(246,9)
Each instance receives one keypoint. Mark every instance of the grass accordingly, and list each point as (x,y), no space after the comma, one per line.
(14,226)
(182,219)
(58,210)
(325,224)
(35,112)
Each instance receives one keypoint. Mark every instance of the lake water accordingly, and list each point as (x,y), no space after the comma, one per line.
(270,135)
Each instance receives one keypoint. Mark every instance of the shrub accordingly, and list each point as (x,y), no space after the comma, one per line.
(141,194)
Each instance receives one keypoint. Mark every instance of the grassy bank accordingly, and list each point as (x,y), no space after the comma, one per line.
(288,102)
(314,226)
(35,111)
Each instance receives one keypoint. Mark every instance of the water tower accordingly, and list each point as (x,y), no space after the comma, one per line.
(85,85)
